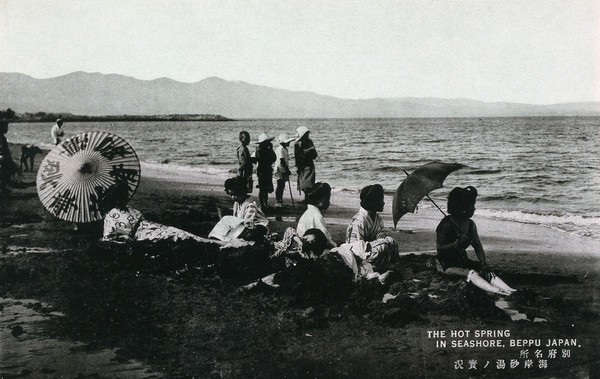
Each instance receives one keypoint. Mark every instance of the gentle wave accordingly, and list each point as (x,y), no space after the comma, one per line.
(530,166)
(588,226)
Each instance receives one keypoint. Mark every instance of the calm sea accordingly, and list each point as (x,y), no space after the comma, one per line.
(534,170)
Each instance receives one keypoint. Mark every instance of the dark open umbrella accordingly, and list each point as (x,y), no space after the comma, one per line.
(418,184)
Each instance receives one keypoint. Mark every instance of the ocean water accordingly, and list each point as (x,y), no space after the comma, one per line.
(541,170)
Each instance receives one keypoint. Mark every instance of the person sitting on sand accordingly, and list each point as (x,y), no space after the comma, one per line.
(317,200)
(255,222)
(123,224)
(367,225)
(314,245)
(455,233)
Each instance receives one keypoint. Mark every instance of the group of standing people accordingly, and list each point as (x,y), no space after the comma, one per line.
(265,156)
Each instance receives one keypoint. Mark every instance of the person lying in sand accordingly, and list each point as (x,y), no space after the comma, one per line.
(455,233)
(317,199)
(367,225)
(123,224)
(313,245)
(255,222)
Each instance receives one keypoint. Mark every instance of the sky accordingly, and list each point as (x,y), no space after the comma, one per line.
(523,51)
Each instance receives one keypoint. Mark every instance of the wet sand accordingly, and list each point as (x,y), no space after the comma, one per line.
(176,311)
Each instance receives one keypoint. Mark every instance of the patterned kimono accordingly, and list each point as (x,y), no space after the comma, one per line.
(384,249)
(122,225)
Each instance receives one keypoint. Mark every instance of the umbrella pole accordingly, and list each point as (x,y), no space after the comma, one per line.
(430,199)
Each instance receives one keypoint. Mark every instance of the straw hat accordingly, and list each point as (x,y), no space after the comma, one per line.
(301,131)
(283,138)
(264,138)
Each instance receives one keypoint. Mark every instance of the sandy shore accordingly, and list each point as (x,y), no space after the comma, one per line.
(176,311)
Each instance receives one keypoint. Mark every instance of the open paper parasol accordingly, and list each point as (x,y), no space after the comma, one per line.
(75,176)
(418,184)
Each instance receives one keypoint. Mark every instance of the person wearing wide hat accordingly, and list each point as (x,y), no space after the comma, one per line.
(265,157)
(282,171)
(367,225)
(304,154)
(57,132)
(317,200)
(454,234)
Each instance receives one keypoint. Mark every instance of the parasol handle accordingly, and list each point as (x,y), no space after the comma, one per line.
(430,199)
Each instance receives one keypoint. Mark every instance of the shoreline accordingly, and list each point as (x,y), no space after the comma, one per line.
(166,312)
(533,238)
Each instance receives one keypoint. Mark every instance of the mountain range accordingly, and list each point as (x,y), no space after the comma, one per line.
(97,94)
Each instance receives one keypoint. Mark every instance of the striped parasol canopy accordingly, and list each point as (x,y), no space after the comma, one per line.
(75,176)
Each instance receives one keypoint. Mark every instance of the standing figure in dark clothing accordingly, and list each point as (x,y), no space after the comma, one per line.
(7,165)
(265,157)
(304,155)
(245,161)
(455,233)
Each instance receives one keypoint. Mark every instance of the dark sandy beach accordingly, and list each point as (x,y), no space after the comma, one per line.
(177,311)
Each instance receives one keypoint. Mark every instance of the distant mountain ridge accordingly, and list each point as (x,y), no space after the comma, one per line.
(97,94)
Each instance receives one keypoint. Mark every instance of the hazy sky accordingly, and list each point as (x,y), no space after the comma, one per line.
(530,51)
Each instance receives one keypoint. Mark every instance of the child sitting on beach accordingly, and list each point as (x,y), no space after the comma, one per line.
(367,225)
(317,200)
(455,233)
(123,224)
(254,220)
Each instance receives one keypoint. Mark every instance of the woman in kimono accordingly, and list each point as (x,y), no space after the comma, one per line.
(124,224)
(367,225)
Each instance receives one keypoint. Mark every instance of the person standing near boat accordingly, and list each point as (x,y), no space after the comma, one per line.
(57,132)
(245,161)
(304,154)
(282,173)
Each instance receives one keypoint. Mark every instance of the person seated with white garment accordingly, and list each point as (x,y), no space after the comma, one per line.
(245,208)
(318,199)
(313,246)
(455,233)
